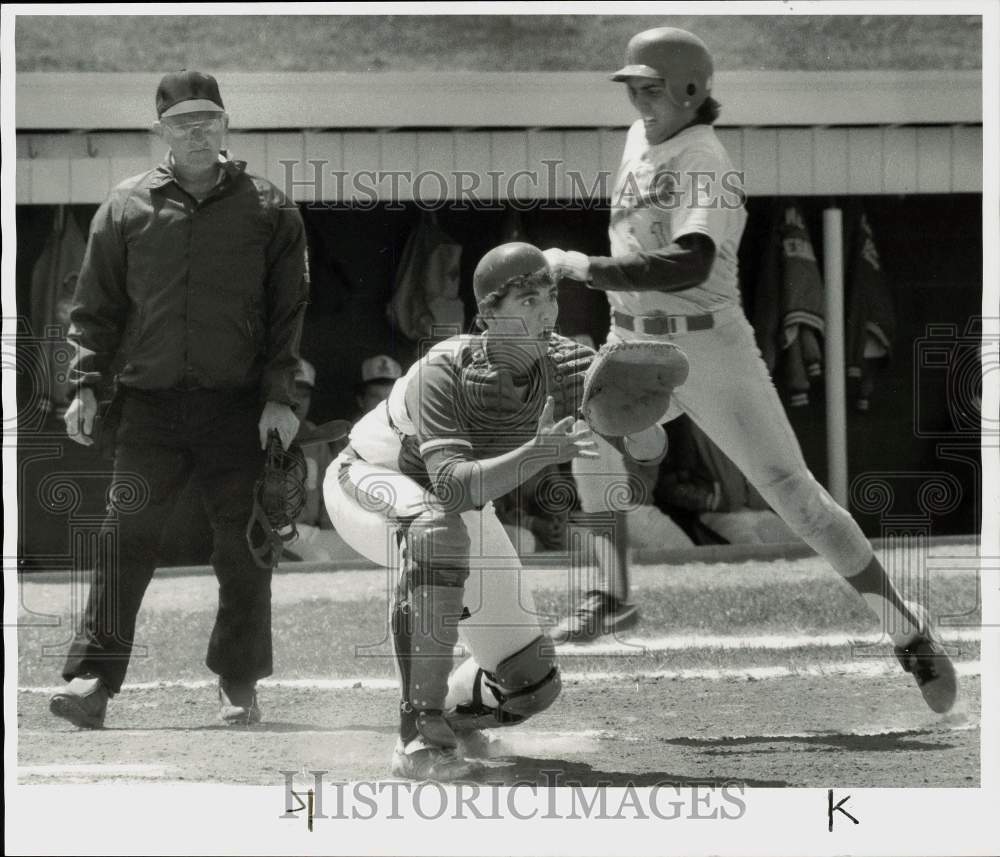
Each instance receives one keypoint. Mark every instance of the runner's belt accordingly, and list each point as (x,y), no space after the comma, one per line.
(657,325)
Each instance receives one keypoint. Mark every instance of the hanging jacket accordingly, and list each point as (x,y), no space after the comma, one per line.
(425,301)
(871,321)
(53,280)
(789,307)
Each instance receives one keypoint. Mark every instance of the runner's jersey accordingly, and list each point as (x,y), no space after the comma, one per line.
(684,185)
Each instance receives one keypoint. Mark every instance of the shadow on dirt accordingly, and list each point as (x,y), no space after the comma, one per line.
(905,739)
(277,727)
(558,773)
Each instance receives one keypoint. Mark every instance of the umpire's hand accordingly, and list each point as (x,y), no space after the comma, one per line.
(281,418)
(80,416)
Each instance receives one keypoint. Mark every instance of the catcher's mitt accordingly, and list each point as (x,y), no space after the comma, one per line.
(628,385)
(278,499)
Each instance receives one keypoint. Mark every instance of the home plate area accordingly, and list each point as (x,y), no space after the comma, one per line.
(731,681)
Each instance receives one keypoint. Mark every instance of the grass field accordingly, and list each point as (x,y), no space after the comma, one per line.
(483,43)
(766,673)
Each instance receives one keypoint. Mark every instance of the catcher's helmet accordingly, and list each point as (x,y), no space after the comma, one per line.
(677,56)
(505,263)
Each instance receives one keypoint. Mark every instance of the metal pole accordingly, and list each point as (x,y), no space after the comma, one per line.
(836,398)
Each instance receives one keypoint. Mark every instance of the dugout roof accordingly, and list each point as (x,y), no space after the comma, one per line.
(795,133)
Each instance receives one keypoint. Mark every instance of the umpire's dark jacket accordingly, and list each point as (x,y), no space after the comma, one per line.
(173,292)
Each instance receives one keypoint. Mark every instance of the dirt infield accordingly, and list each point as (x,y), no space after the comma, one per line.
(751,674)
(836,730)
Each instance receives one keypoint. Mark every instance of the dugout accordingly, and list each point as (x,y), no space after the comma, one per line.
(904,146)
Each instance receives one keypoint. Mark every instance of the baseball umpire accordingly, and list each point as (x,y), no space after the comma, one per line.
(470,421)
(190,304)
(676,222)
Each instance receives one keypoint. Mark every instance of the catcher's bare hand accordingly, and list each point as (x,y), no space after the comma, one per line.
(282,419)
(80,416)
(567,439)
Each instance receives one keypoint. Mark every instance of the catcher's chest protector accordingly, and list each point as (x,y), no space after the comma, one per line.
(566,367)
(505,404)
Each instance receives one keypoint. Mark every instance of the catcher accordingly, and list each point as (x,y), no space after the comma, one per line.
(474,418)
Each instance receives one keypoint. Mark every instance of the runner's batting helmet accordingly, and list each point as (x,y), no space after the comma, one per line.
(678,57)
(505,263)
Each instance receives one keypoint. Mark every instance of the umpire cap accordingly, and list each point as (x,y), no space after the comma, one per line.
(677,57)
(187,92)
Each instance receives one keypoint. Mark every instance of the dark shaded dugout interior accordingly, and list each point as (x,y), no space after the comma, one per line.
(921,421)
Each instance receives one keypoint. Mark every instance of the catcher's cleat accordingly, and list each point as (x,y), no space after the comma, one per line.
(474,743)
(83,702)
(420,760)
(238,703)
(926,658)
(600,614)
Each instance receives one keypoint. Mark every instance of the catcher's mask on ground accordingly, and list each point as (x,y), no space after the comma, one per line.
(278,499)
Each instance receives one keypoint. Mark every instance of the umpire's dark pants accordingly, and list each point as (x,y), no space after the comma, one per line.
(163,439)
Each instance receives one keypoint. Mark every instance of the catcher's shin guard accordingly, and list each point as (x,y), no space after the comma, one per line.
(522,685)
(425,630)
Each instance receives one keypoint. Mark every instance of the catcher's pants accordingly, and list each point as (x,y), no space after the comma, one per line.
(730,396)
(367,502)
(165,438)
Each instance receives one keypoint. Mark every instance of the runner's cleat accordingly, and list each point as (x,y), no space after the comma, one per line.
(925,656)
(599,615)
(423,761)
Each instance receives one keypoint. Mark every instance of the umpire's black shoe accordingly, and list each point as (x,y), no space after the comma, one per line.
(83,702)
(600,614)
(926,658)
(238,703)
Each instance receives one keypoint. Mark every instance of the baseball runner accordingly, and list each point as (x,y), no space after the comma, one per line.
(677,216)
(467,424)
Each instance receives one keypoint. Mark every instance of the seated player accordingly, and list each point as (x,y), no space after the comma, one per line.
(316,538)
(468,423)
(378,374)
